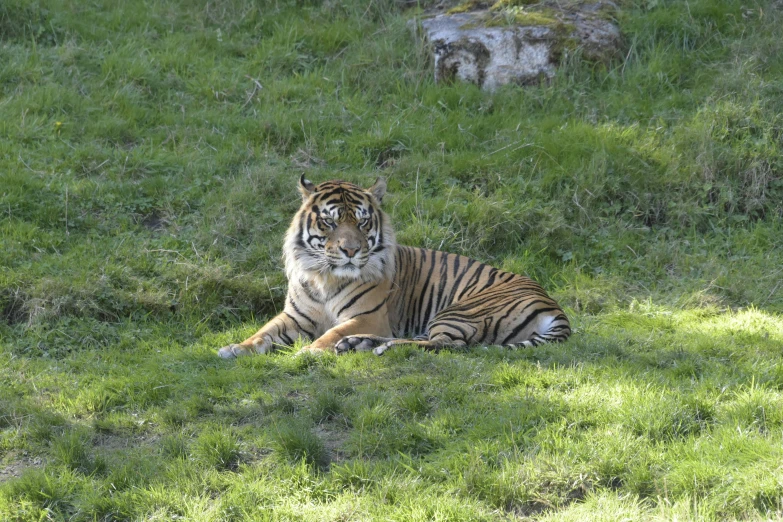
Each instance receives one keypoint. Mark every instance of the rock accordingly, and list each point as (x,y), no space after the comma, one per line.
(522,46)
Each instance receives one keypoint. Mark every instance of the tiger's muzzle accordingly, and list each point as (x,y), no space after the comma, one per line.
(347,250)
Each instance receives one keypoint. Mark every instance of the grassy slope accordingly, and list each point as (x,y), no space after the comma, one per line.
(147,160)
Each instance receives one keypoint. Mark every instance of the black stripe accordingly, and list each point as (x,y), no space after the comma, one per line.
(490,282)
(355,298)
(422,321)
(352,198)
(300,312)
(306,288)
(330,193)
(523,324)
(373,310)
(413,278)
(444,270)
(380,230)
(314,237)
(309,334)
(481,300)
(487,324)
(341,288)
(426,317)
(473,281)
(448,324)
(454,288)
(299,241)
(497,325)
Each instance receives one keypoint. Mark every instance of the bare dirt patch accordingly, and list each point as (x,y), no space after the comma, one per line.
(15,465)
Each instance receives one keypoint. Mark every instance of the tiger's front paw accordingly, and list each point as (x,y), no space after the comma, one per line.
(232,351)
(383,348)
(355,343)
(311,349)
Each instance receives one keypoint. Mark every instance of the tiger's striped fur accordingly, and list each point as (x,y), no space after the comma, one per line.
(351,287)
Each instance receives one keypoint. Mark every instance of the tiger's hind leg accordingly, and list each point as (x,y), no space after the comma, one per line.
(365,343)
(441,334)
(535,340)
(552,329)
(518,323)
(555,330)
(433,344)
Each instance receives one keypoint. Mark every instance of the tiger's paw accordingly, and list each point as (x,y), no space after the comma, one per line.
(232,351)
(355,343)
(380,350)
(311,349)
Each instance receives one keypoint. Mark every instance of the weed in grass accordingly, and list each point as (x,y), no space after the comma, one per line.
(376,416)
(326,405)
(754,408)
(174,416)
(73,450)
(296,442)
(283,404)
(45,425)
(7,416)
(416,439)
(22,23)
(448,422)
(175,446)
(356,475)
(502,485)
(99,506)
(42,493)
(133,472)
(664,419)
(217,448)
(509,376)
(194,406)
(414,403)
(303,363)
(100,400)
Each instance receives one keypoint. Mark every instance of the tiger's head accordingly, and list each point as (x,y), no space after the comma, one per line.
(340,232)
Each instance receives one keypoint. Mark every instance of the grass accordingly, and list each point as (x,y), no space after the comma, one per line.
(148,159)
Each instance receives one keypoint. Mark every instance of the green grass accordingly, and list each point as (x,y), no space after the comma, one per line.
(148,158)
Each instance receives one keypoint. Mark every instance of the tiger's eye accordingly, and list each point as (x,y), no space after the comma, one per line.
(327,221)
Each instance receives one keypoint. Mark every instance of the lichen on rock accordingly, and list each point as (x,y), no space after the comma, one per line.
(494,44)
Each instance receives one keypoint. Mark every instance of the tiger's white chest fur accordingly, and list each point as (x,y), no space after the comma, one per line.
(329,301)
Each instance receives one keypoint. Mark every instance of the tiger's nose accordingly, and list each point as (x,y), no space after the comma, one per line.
(350,252)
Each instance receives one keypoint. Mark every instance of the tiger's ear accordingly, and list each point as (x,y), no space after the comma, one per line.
(305,187)
(378,189)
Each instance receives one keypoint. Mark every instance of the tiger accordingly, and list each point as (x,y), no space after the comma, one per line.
(352,288)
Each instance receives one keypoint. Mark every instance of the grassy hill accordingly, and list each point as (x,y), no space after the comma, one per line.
(149,151)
